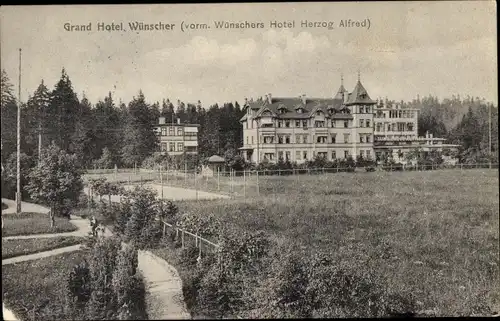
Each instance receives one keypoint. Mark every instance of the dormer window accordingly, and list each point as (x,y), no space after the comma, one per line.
(282,109)
(300,110)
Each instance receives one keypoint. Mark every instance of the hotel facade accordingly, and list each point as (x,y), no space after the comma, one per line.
(349,124)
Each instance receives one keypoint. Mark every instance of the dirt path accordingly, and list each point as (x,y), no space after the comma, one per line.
(170,192)
(165,299)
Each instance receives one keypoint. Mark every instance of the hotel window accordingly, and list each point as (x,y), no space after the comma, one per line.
(368,124)
(287,155)
(361,139)
(297,155)
(171,131)
(321,139)
(280,123)
(322,155)
(180,147)
(287,139)
(368,154)
(247,140)
(361,123)
(164,147)
(171,147)
(304,139)
(334,155)
(378,127)
(280,155)
(346,138)
(333,123)
(179,131)
(362,153)
(304,123)
(367,109)
(297,139)
(297,123)
(368,138)
(346,154)
(268,139)
(334,138)
(361,109)
(287,123)
(252,140)
(346,123)
(305,155)
(410,127)
(280,139)
(319,124)
(269,156)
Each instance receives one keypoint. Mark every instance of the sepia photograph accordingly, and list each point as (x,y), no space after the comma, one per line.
(249,160)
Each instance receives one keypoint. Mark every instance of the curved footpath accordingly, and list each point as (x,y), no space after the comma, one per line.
(165,299)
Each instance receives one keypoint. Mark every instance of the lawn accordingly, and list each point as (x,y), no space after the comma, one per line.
(33,289)
(13,248)
(433,234)
(34,223)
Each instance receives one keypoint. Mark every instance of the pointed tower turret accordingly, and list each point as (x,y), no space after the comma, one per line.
(342,92)
(359,95)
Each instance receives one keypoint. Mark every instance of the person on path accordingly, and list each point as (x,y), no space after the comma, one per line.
(94,224)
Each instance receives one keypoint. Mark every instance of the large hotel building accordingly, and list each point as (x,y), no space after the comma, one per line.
(349,124)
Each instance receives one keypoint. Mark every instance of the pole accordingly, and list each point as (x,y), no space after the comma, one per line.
(161,182)
(18,192)
(244,185)
(39,142)
(185,174)
(489,123)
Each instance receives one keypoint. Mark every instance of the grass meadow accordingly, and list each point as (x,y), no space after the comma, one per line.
(434,234)
(34,223)
(33,290)
(13,248)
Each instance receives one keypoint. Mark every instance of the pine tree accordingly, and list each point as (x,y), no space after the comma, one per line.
(8,117)
(62,112)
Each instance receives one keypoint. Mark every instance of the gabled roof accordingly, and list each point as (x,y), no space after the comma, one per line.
(359,96)
(330,106)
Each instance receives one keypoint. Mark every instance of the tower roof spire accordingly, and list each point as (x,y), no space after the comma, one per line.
(359,75)
(342,79)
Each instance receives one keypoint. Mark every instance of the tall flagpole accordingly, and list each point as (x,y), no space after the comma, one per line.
(489,124)
(18,193)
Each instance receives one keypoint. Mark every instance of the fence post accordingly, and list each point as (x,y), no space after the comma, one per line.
(461,168)
(244,185)
(258,191)
(182,238)
(195,185)
(185,174)
(164,228)
(218,179)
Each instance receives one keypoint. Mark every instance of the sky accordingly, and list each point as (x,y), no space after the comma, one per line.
(410,48)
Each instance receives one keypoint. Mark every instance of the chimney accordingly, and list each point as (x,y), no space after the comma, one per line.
(246,100)
(270,98)
(304,100)
(161,120)
(178,121)
(199,103)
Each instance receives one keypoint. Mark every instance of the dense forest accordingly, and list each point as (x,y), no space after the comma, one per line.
(113,132)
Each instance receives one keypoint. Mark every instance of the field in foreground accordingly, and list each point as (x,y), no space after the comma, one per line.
(33,289)
(13,248)
(432,234)
(34,223)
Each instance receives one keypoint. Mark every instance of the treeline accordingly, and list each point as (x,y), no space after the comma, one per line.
(109,132)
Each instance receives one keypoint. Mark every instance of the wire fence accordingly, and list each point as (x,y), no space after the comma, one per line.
(252,183)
